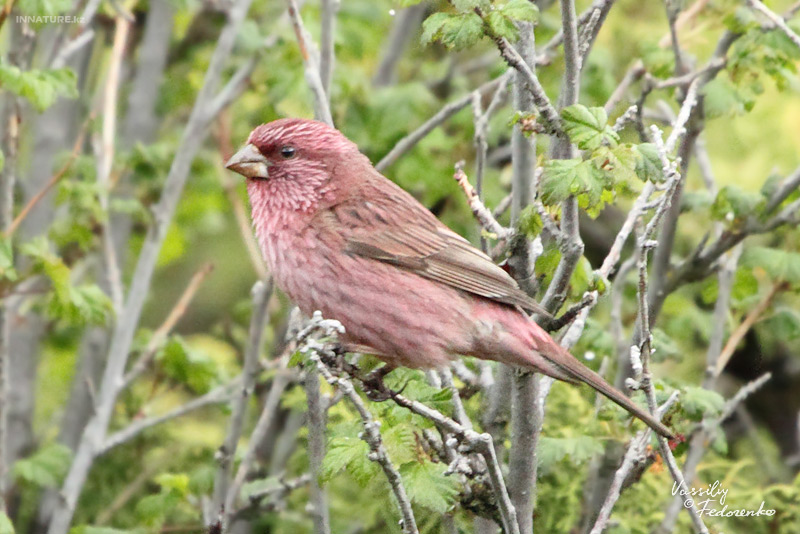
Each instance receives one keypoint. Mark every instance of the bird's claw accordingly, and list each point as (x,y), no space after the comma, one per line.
(375,389)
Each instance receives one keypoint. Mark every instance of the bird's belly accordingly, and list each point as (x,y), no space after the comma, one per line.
(407,320)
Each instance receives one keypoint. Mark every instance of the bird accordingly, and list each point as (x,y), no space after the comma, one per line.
(342,239)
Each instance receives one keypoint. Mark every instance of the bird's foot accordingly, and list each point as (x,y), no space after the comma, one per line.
(374,387)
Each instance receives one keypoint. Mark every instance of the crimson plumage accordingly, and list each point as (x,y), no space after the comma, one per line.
(341,238)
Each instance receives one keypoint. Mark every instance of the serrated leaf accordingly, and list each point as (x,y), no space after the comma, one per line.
(699,402)
(186,365)
(648,163)
(400,442)
(427,485)
(588,127)
(523,10)
(563,178)
(780,265)
(432,26)
(350,453)
(40,87)
(732,203)
(502,26)
(452,30)
(46,467)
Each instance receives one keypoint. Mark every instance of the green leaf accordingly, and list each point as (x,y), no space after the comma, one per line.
(5,524)
(469,5)
(427,485)
(578,449)
(784,324)
(733,204)
(588,127)
(699,402)
(563,178)
(46,467)
(40,87)
(523,10)
(351,453)
(723,98)
(175,482)
(432,27)
(400,442)
(188,366)
(648,163)
(502,26)
(745,284)
(780,265)
(530,223)
(454,31)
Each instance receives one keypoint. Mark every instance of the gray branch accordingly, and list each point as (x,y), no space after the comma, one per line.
(308,51)
(450,109)
(194,133)
(250,368)
(215,396)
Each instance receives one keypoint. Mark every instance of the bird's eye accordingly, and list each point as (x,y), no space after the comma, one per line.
(288,152)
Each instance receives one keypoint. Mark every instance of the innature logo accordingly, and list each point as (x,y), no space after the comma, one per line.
(49,19)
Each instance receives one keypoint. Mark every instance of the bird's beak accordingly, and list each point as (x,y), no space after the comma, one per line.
(249,162)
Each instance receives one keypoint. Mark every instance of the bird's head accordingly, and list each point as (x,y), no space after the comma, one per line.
(290,163)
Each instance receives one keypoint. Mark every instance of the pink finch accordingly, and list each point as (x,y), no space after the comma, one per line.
(342,239)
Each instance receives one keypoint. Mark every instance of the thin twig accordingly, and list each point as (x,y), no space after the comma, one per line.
(255,343)
(161,333)
(57,177)
(264,426)
(105,159)
(479,210)
(633,456)
(408,142)
(776,19)
(215,396)
(371,435)
(125,328)
(644,350)
(329,9)
(223,138)
(311,64)
(749,320)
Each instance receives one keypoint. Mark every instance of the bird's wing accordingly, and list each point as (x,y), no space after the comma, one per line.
(394,228)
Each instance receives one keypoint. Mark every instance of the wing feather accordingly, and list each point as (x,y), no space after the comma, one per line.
(392,227)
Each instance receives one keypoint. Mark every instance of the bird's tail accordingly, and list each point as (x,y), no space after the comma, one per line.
(570,366)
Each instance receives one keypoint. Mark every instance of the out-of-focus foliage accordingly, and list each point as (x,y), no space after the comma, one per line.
(159,479)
